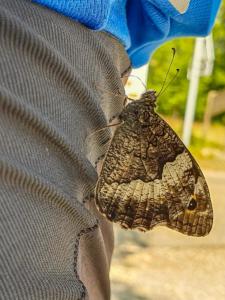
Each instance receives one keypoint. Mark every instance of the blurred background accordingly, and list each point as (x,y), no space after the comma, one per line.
(163,264)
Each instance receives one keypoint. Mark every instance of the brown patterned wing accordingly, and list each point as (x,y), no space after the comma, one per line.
(149,178)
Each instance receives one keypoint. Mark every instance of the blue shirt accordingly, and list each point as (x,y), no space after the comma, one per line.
(141,25)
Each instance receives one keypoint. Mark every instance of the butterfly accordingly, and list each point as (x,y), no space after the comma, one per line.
(150,178)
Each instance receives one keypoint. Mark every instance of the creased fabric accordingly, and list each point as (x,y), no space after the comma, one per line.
(52,73)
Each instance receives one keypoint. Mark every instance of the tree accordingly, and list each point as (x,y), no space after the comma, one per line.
(174,99)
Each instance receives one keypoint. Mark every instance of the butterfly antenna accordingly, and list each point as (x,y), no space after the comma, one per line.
(174,77)
(101,129)
(138,79)
(167,73)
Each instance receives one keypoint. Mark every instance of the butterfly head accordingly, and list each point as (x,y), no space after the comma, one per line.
(150,98)
(140,110)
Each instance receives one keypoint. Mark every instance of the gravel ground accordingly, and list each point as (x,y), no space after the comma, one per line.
(166,265)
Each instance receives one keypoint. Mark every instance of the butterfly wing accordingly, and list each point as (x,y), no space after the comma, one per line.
(149,178)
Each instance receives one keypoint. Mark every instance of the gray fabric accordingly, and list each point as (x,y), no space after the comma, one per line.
(53,74)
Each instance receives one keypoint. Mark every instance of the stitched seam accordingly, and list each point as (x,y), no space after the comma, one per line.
(80,234)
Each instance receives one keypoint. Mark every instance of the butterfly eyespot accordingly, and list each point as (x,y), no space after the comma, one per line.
(192,204)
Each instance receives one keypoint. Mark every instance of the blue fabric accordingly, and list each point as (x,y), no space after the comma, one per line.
(141,25)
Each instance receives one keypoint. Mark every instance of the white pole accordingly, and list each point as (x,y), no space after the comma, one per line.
(193,90)
(134,87)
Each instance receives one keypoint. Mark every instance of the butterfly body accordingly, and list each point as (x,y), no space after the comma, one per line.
(149,178)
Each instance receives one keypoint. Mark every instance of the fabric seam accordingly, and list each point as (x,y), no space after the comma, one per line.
(76,247)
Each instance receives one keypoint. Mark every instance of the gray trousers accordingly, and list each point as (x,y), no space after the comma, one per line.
(57,86)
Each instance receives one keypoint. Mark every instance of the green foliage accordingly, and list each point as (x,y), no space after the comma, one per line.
(174,99)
